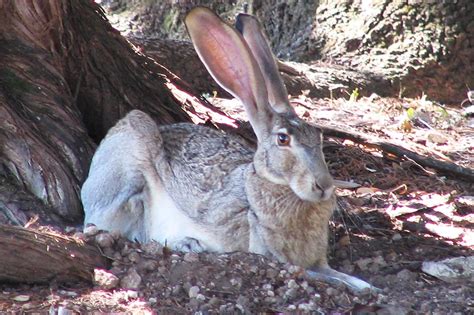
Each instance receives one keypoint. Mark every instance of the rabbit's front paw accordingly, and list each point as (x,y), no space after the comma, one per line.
(190,245)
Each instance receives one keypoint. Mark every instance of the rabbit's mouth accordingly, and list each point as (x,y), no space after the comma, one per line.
(312,192)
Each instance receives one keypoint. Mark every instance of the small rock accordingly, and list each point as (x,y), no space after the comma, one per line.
(305,285)
(396,237)
(393,310)
(176,289)
(105,279)
(450,270)
(153,248)
(68,293)
(306,307)
(132,280)
(290,293)
(193,291)
(363,263)
(131,295)
(272,273)
(243,300)
(104,240)
(91,230)
(191,257)
(267,286)
(200,297)
(437,138)
(292,284)
(214,301)
(405,275)
(21,298)
(134,257)
(28,306)
(295,269)
(147,264)
(64,310)
(152,300)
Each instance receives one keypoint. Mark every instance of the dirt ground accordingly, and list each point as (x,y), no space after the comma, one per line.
(402,215)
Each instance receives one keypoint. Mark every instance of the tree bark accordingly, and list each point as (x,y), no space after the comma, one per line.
(416,46)
(41,257)
(66,76)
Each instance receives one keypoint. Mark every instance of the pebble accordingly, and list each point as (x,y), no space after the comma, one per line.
(267,286)
(148,265)
(290,293)
(104,240)
(292,284)
(272,273)
(295,269)
(191,257)
(132,280)
(131,294)
(105,279)
(193,291)
(214,301)
(200,297)
(306,307)
(405,275)
(21,298)
(254,269)
(176,289)
(134,257)
(91,230)
(396,237)
(68,293)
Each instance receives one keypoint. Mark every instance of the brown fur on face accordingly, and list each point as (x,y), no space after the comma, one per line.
(293,230)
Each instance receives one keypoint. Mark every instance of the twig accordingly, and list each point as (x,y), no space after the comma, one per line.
(442,166)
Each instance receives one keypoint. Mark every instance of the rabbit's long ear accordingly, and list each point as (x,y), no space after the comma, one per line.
(253,34)
(228,59)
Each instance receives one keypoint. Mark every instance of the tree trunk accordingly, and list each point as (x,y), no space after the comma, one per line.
(66,76)
(41,257)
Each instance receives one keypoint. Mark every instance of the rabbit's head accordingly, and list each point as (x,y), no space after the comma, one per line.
(289,149)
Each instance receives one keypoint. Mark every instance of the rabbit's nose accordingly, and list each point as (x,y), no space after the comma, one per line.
(326,189)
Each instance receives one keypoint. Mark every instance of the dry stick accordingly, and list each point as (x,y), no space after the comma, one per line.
(450,168)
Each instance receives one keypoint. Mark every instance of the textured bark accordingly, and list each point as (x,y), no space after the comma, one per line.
(66,76)
(418,46)
(317,80)
(41,257)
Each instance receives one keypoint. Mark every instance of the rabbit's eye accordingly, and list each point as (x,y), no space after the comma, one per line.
(283,139)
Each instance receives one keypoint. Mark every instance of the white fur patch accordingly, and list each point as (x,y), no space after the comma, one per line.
(166,223)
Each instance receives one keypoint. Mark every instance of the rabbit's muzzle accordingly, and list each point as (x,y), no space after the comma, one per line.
(313,189)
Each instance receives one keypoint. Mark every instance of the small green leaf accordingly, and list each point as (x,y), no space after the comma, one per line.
(410,113)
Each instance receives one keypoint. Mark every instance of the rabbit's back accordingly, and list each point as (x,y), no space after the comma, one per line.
(203,171)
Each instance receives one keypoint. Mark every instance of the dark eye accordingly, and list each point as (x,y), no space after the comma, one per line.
(283,139)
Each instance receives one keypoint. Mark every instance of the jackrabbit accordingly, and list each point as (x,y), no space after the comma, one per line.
(199,189)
